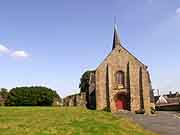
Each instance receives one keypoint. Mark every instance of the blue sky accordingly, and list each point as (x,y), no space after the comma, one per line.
(52,42)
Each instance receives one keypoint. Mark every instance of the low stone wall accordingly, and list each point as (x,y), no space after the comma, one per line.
(175,107)
(75,100)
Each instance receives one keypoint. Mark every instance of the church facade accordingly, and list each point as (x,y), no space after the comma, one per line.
(120,82)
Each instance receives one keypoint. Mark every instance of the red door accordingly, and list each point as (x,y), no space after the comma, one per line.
(119,104)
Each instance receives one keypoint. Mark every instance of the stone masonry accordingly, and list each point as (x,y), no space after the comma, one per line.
(75,100)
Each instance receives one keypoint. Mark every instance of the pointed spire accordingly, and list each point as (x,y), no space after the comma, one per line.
(116,39)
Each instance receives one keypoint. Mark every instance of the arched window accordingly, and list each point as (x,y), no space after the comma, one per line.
(120,78)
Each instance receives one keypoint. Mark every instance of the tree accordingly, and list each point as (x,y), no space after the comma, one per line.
(4,93)
(3,96)
(84,82)
(31,96)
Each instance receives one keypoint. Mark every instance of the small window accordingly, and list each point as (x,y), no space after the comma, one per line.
(120,78)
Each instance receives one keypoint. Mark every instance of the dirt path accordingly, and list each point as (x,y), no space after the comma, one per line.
(164,123)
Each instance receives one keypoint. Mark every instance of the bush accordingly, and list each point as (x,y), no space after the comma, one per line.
(31,96)
(153,110)
(107,109)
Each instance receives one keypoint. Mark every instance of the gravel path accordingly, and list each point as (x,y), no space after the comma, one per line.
(163,123)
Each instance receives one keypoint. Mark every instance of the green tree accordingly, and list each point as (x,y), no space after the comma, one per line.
(84,82)
(4,93)
(3,96)
(31,96)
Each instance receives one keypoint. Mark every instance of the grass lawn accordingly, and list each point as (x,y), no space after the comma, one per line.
(64,121)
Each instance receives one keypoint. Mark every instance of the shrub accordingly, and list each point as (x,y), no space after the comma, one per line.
(153,110)
(107,109)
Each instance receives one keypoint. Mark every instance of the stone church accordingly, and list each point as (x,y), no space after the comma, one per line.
(120,82)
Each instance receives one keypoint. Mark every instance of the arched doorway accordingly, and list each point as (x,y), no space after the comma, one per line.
(121,101)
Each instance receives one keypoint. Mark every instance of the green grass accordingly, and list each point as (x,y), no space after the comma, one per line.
(64,121)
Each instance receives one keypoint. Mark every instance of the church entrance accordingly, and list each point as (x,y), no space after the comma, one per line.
(121,101)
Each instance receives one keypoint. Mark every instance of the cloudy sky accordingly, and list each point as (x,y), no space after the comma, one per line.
(51,43)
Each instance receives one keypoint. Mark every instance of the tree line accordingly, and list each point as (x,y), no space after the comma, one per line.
(29,96)
(37,95)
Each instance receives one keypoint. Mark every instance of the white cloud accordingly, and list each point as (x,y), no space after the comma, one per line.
(20,54)
(14,54)
(178,11)
(4,49)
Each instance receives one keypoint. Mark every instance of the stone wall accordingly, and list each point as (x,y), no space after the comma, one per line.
(75,100)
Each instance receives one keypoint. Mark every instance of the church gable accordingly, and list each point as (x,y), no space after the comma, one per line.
(119,53)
